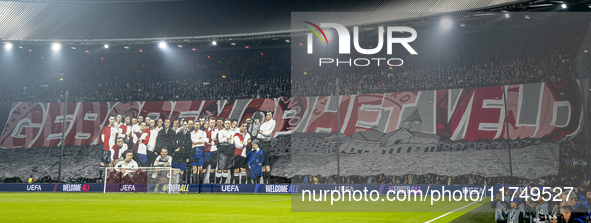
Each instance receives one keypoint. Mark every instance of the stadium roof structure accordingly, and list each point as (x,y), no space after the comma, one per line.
(150,20)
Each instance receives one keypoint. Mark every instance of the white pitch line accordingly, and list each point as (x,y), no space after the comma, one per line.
(451,212)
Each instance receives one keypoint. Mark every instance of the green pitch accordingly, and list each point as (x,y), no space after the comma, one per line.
(139,207)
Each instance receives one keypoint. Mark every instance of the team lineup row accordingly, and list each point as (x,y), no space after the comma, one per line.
(217,144)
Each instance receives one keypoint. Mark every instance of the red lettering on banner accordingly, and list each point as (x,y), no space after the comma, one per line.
(164,108)
(322,118)
(458,121)
(396,101)
(288,114)
(189,110)
(258,105)
(513,103)
(210,108)
(364,114)
(487,114)
(52,127)
(227,108)
(25,123)
(473,114)
(126,109)
(87,127)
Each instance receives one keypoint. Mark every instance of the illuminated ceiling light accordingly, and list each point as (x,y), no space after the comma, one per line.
(162,45)
(446,23)
(126,47)
(507,15)
(106,46)
(73,48)
(233,44)
(56,46)
(214,42)
(287,40)
(8,46)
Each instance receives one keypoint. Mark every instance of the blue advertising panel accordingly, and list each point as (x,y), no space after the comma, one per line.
(52,187)
(242,188)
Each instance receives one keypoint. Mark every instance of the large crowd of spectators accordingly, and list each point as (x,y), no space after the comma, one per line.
(146,77)
(464,61)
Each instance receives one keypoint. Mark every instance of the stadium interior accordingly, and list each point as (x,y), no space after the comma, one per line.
(185,60)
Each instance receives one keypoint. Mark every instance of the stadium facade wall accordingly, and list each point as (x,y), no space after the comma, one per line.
(548,110)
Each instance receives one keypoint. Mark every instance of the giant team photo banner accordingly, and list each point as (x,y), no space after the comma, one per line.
(552,110)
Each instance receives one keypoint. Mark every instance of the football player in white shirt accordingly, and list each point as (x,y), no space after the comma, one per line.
(234,126)
(153,136)
(125,129)
(118,120)
(108,136)
(140,119)
(135,126)
(127,163)
(219,127)
(119,148)
(210,154)
(197,138)
(148,120)
(164,160)
(266,134)
(220,124)
(225,151)
(241,141)
(141,139)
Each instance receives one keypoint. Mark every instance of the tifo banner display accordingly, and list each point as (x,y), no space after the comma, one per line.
(539,110)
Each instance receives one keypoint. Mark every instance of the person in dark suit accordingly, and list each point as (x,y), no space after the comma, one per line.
(165,138)
(182,149)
